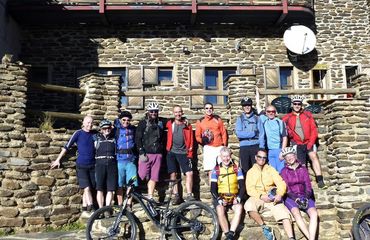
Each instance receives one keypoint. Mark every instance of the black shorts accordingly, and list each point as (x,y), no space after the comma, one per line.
(106,175)
(247,157)
(86,176)
(175,159)
(302,153)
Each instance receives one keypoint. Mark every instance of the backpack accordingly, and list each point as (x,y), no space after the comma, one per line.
(235,168)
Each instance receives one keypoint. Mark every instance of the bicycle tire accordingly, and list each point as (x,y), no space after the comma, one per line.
(361,223)
(100,224)
(194,220)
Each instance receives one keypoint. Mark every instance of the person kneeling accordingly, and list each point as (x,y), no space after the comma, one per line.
(300,194)
(227,188)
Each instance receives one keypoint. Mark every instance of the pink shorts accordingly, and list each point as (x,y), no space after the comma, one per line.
(150,169)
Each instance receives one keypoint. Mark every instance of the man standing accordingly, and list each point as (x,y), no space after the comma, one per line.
(251,135)
(125,139)
(85,163)
(276,136)
(180,152)
(149,141)
(266,189)
(302,131)
(211,133)
(228,189)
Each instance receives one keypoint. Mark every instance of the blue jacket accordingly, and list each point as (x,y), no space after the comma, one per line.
(125,139)
(249,130)
(275,131)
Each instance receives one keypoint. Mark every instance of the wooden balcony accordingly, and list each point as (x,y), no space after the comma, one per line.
(97,12)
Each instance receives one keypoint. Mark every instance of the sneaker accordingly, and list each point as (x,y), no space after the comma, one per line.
(229,235)
(268,232)
(86,214)
(189,197)
(322,185)
(176,200)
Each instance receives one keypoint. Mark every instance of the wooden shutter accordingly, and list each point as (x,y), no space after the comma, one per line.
(247,70)
(150,75)
(196,78)
(134,83)
(272,81)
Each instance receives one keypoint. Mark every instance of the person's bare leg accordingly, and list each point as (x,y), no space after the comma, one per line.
(151,187)
(175,189)
(87,197)
(109,198)
(315,163)
(189,182)
(119,195)
(100,198)
(312,212)
(300,222)
(222,218)
(238,209)
(288,227)
(256,217)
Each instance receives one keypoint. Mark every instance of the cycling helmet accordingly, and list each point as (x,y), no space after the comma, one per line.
(105,123)
(152,106)
(246,102)
(289,150)
(297,98)
(125,114)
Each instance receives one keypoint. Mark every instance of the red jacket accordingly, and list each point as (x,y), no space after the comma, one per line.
(308,126)
(188,137)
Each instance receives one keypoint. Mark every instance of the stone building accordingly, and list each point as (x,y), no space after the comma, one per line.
(123,53)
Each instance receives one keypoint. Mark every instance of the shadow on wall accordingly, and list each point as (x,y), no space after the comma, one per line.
(303,62)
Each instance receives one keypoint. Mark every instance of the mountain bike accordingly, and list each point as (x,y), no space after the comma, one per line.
(361,223)
(190,220)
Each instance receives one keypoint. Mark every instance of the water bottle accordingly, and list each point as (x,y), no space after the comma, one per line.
(151,209)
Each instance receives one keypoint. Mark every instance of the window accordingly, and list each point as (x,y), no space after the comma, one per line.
(40,74)
(211,79)
(351,71)
(164,74)
(319,81)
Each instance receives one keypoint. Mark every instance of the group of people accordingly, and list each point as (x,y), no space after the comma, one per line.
(268,174)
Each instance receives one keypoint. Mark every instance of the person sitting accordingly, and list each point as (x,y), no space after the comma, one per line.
(266,189)
(228,189)
(300,194)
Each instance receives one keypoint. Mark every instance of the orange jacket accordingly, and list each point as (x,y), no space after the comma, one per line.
(215,124)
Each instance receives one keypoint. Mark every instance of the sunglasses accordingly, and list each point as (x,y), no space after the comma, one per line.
(261,157)
(271,111)
(106,129)
(299,104)
(153,111)
(125,120)
(207,108)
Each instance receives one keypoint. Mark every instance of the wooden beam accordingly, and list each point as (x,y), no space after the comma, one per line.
(176,93)
(56,88)
(308,91)
(63,115)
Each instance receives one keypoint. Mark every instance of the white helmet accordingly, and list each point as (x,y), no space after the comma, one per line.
(289,150)
(152,106)
(298,98)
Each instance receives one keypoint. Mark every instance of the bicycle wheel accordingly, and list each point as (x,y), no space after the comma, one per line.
(194,220)
(361,223)
(100,224)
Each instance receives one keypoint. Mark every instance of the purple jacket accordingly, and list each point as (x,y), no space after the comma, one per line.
(298,182)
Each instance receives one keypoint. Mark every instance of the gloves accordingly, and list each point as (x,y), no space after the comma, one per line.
(302,203)
(220,201)
(143,158)
(205,140)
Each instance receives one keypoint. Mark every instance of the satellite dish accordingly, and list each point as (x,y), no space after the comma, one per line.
(299,39)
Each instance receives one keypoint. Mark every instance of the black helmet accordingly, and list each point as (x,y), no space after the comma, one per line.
(246,102)
(105,123)
(125,114)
